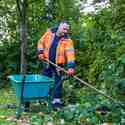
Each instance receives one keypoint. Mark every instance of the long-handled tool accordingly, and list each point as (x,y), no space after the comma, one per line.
(87,84)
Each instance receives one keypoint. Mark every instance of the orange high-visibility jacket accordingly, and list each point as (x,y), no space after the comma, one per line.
(64,52)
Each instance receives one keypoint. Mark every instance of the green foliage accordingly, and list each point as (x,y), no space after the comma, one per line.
(100,55)
(82,112)
(118,11)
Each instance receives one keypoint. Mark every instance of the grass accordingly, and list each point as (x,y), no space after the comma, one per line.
(6,97)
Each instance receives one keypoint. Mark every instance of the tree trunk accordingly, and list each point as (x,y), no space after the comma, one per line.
(22,8)
(23,39)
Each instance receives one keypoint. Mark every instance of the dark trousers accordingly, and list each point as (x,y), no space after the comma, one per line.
(52,72)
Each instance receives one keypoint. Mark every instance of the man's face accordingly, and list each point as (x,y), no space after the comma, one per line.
(63,29)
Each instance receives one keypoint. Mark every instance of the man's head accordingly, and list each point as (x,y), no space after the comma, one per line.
(63,28)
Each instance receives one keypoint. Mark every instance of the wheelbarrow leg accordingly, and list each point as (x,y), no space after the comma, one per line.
(19,111)
(49,104)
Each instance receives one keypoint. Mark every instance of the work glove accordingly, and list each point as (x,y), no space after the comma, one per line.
(71,71)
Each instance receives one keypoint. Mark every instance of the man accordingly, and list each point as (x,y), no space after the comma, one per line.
(56,46)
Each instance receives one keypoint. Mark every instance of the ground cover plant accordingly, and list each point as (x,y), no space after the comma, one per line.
(80,108)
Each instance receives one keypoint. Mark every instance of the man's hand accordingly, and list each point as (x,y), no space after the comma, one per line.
(71,71)
(40,56)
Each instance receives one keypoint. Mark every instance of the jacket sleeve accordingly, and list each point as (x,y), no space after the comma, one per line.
(70,54)
(40,45)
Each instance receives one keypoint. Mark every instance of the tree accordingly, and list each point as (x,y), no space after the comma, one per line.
(22,9)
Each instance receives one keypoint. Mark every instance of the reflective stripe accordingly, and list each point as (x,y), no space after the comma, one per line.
(40,49)
(71,48)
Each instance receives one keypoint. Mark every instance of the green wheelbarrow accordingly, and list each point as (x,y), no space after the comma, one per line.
(31,87)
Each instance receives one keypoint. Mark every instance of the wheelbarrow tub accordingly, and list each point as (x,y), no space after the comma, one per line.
(35,85)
